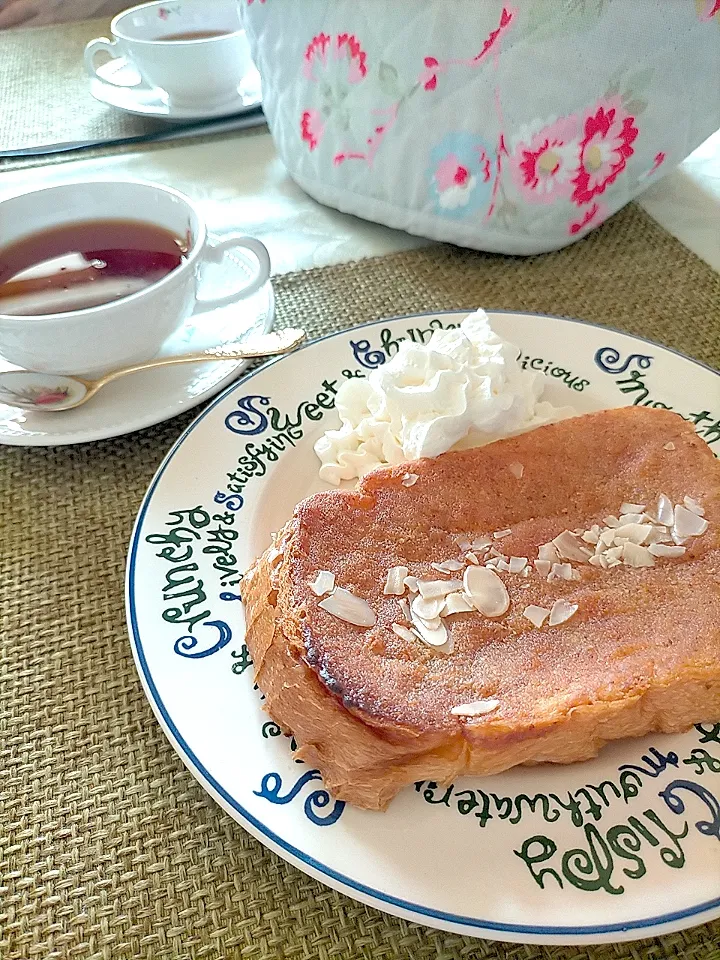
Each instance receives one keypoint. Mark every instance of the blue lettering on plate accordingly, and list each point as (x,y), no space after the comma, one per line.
(185,644)
(710,828)
(272,785)
(366,356)
(247,420)
(607,358)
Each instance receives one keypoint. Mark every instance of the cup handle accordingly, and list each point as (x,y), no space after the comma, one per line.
(95,47)
(214,252)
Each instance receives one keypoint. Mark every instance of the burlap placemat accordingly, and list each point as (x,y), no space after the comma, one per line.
(108,847)
(45,95)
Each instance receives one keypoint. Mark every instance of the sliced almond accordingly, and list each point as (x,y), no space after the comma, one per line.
(486,591)
(626,518)
(274,556)
(457,603)
(599,560)
(404,632)
(516,469)
(666,550)
(478,708)
(323,583)
(694,506)
(569,547)
(536,615)
(518,564)
(448,566)
(395,582)
(561,571)
(590,536)
(499,534)
(543,567)
(632,507)
(412,584)
(663,511)
(561,611)
(635,532)
(431,589)
(405,607)
(548,551)
(634,555)
(346,606)
(669,445)
(427,609)
(436,636)
(687,523)
(471,558)
(409,479)
(481,543)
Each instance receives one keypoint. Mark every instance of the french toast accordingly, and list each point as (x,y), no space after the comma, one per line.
(632,646)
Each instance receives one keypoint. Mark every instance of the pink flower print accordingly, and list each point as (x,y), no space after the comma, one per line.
(460,175)
(312,127)
(592,217)
(608,133)
(706,9)
(346,51)
(434,67)
(335,64)
(543,161)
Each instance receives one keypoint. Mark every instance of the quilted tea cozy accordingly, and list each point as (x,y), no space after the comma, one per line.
(509,128)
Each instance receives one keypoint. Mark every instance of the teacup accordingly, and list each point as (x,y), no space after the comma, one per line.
(195,51)
(99,338)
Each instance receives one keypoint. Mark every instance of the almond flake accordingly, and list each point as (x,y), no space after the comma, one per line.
(479,708)
(457,603)
(693,506)
(274,556)
(404,632)
(607,537)
(632,507)
(516,469)
(323,583)
(626,518)
(635,532)
(494,552)
(502,565)
(687,523)
(590,536)
(561,571)
(405,607)
(567,546)
(543,567)
(481,543)
(636,556)
(427,609)
(614,553)
(412,584)
(409,479)
(517,564)
(448,566)
(663,512)
(536,615)
(432,589)
(464,545)
(611,521)
(346,606)
(471,558)
(486,591)
(435,636)
(499,534)
(599,560)
(669,445)
(395,583)
(665,550)
(561,611)
(548,551)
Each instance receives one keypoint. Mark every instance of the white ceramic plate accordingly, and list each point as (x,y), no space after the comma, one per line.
(142,399)
(121,86)
(621,847)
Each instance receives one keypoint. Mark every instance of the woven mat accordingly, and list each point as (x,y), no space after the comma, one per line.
(108,847)
(45,95)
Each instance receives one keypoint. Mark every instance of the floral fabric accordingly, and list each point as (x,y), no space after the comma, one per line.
(510,128)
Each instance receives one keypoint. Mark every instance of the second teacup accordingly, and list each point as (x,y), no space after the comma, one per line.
(194,50)
(153,242)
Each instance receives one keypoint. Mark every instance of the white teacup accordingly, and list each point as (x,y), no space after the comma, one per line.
(99,338)
(197,72)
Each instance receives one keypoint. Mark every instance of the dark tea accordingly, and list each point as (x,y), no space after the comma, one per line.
(195,35)
(79,265)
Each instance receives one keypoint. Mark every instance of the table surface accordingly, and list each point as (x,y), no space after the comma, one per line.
(241,185)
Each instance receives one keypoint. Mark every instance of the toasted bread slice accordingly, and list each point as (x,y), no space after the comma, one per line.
(373,710)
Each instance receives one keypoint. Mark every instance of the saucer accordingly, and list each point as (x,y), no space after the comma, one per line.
(122,87)
(143,399)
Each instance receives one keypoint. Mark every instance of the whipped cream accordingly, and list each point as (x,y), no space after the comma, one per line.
(463,385)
